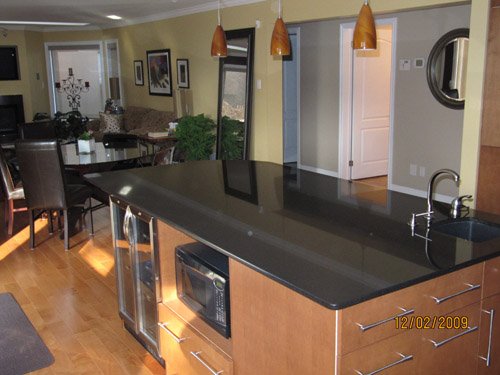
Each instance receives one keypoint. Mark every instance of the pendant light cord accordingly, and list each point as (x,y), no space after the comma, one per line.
(218,13)
(279,9)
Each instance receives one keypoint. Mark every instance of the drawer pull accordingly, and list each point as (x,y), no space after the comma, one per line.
(470,288)
(445,341)
(206,365)
(404,358)
(176,338)
(366,327)
(488,356)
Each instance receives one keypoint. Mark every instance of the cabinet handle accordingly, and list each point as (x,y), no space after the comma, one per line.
(176,338)
(206,365)
(488,356)
(404,358)
(470,288)
(445,341)
(366,327)
(126,224)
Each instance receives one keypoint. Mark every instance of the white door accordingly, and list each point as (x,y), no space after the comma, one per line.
(371,107)
(290,103)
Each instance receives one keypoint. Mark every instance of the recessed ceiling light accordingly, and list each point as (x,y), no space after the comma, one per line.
(114,17)
(42,23)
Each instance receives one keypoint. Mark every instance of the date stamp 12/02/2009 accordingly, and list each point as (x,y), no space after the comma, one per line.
(432,322)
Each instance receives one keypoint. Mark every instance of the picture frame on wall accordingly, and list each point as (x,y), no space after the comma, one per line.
(159,72)
(183,73)
(138,73)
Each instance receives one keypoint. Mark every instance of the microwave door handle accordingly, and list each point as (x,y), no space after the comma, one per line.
(195,271)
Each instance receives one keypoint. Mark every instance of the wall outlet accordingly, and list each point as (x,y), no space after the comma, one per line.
(419,63)
(413,169)
(422,171)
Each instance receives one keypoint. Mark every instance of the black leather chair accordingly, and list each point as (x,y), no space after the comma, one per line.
(37,130)
(44,182)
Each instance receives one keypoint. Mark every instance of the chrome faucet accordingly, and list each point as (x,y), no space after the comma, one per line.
(430,187)
(430,190)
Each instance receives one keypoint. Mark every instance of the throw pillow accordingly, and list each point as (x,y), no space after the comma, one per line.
(111,123)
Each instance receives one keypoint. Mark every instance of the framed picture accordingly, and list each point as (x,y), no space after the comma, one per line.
(138,73)
(183,73)
(160,78)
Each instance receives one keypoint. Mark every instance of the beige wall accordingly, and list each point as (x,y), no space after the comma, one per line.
(31,61)
(190,37)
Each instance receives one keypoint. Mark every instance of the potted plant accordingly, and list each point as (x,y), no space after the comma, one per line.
(196,137)
(86,143)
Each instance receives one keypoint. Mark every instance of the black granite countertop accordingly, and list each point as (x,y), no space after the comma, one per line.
(335,242)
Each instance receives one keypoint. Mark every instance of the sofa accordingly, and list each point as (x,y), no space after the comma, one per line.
(134,121)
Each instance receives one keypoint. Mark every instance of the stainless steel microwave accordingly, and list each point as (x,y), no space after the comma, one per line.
(202,276)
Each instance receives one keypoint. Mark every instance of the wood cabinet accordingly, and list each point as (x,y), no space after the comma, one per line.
(489,337)
(489,332)
(275,330)
(187,351)
(451,348)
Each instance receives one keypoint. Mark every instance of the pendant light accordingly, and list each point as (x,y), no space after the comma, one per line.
(365,34)
(219,43)
(280,42)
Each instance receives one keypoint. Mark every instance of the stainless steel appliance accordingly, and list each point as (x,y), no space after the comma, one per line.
(137,272)
(202,276)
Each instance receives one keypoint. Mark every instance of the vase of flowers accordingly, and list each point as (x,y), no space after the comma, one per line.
(86,143)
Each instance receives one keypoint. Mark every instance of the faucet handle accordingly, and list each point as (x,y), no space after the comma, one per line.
(457,205)
(458,201)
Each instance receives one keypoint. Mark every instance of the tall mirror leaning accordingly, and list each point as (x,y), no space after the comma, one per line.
(235,96)
(447,67)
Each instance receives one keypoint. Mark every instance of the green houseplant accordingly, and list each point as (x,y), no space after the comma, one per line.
(196,137)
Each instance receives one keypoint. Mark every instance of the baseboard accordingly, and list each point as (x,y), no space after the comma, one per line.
(420,193)
(318,170)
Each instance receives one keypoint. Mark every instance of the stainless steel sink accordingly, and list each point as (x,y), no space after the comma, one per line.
(470,229)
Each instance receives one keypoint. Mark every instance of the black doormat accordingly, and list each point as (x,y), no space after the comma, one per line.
(21,348)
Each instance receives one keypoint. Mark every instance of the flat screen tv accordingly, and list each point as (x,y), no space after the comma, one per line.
(9,70)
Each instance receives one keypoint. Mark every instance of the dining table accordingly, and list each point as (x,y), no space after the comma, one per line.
(105,158)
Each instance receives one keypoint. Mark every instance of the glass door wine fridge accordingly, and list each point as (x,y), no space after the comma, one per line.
(137,272)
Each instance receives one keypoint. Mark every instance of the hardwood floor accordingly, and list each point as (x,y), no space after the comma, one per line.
(70,298)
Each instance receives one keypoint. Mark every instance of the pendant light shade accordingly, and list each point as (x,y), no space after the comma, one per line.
(219,43)
(280,42)
(365,34)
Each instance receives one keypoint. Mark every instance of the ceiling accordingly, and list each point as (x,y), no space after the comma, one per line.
(95,11)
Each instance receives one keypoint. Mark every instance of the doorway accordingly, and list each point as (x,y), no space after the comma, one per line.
(366,105)
(80,63)
(291,101)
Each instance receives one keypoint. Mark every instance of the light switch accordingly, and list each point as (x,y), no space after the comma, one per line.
(404,64)
(258,83)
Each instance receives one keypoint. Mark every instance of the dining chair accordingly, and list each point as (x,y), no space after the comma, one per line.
(45,187)
(164,156)
(12,193)
(37,130)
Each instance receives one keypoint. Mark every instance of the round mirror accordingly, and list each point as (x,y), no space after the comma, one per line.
(447,67)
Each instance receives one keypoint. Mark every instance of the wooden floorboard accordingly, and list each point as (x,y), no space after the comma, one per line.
(70,298)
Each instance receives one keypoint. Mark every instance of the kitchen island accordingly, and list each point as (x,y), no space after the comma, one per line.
(321,271)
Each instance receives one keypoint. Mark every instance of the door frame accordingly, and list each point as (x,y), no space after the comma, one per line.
(345,99)
(293,30)
(50,70)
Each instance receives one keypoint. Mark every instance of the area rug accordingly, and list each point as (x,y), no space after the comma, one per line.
(21,349)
